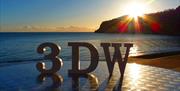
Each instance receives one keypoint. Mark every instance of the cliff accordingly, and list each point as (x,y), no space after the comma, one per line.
(164,22)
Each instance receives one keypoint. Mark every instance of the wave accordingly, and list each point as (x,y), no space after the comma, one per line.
(12,62)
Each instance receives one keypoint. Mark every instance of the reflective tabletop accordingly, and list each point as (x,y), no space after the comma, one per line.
(136,78)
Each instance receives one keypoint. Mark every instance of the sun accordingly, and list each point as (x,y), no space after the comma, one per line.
(135,9)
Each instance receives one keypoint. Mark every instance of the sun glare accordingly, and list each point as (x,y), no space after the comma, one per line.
(135,9)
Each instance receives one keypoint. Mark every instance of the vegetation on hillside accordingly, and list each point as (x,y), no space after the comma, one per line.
(164,22)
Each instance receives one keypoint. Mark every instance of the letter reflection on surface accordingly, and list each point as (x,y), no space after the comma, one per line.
(57,79)
(93,80)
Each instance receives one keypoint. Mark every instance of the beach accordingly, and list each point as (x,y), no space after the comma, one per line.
(163,60)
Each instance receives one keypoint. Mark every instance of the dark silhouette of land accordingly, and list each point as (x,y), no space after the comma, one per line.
(165,22)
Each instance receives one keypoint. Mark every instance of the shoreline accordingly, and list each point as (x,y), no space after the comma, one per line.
(156,55)
(169,60)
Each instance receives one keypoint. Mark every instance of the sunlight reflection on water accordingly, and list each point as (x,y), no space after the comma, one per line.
(135,51)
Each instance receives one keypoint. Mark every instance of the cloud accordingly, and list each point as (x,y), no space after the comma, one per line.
(29,28)
(73,29)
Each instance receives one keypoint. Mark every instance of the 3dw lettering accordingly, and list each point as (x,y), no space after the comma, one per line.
(57,63)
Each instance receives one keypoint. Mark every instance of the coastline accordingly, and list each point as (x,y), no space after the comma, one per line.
(169,60)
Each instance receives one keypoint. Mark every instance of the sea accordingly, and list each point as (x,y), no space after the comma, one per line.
(18,48)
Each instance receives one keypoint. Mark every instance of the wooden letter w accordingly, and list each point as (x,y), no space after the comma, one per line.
(116,57)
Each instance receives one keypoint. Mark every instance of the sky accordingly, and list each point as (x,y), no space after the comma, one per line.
(67,15)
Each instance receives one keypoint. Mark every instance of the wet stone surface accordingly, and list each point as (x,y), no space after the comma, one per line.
(136,78)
